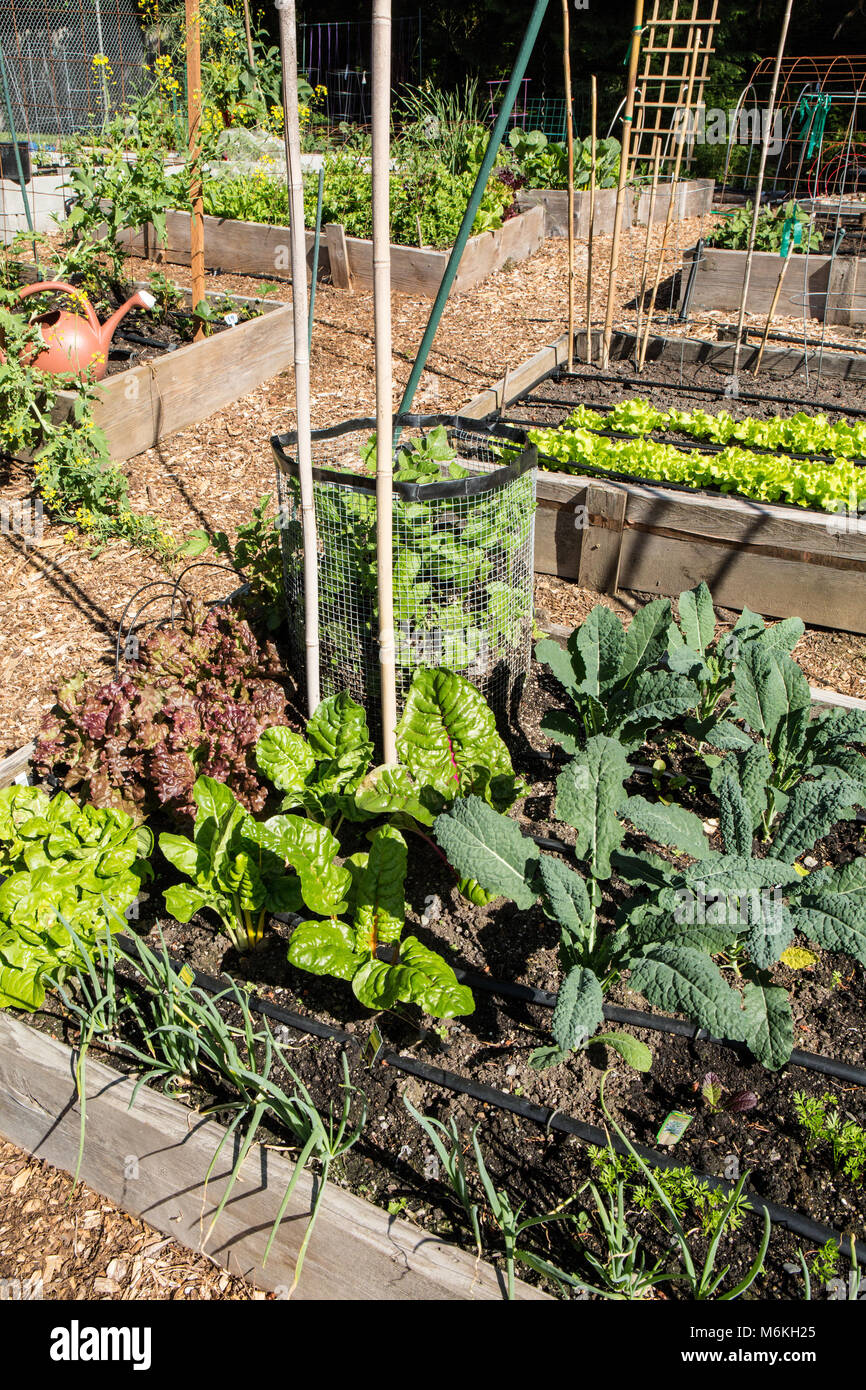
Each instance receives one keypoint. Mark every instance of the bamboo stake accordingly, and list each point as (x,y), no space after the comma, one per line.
(593,155)
(773,303)
(249,36)
(193,107)
(657,151)
(384,371)
(759,188)
(289,56)
(634,54)
(569,128)
(693,67)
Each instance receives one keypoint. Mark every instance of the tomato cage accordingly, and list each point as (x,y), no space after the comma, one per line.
(463,514)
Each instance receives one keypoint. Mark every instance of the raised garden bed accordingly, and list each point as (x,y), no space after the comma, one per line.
(832,289)
(693,198)
(252,248)
(631,534)
(141,405)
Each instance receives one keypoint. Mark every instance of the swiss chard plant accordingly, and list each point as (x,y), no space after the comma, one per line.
(321,771)
(349,950)
(71,874)
(244,869)
(615,678)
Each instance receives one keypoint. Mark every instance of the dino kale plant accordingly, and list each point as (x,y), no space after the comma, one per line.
(710,661)
(615,679)
(742,906)
(193,703)
(412,974)
(71,873)
(772,698)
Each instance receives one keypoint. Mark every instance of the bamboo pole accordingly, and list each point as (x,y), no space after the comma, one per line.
(593,159)
(384,371)
(759,188)
(289,56)
(775,300)
(569,129)
(628,118)
(657,151)
(193,109)
(249,37)
(683,140)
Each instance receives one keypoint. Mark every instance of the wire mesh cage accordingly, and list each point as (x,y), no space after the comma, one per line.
(463,555)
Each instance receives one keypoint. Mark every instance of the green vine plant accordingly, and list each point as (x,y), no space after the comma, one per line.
(74,477)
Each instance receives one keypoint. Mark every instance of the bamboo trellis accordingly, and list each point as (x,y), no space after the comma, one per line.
(667,49)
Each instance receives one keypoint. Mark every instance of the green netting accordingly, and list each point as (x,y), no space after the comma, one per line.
(463,565)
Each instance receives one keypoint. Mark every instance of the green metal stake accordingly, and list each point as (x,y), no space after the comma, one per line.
(316,244)
(474,203)
(8,104)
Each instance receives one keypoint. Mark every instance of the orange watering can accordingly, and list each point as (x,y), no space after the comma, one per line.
(73,343)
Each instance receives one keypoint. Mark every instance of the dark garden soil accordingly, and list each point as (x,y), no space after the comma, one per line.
(393,1163)
(140,337)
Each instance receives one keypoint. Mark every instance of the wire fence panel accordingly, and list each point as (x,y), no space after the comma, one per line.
(49,47)
(463,566)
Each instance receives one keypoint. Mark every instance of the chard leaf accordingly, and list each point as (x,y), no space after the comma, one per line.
(325,948)
(338,731)
(380,904)
(681,979)
(182,900)
(589,792)
(180,852)
(490,848)
(578,1011)
(311,850)
(285,758)
(670,825)
(767,1025)
(219,816)
(697,617)
(425,979)
(389,790)
(446,732)
(564,895)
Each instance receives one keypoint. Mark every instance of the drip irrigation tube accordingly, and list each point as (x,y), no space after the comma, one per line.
(813,1231)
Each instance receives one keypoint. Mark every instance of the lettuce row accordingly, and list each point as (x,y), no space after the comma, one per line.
(804,434)
(829,487)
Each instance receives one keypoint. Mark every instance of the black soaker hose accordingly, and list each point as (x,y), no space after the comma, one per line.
(813,1231)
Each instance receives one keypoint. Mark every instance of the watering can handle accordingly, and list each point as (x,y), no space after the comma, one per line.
(66,289)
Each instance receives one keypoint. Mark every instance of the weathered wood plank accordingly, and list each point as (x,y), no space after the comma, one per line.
(601,548)
(152,1160)
(338,256)
(14,764)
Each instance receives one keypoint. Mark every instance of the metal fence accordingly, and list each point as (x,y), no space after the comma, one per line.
(48,48)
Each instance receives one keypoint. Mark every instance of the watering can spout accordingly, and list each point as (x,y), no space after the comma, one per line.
(140,300)
(76,344)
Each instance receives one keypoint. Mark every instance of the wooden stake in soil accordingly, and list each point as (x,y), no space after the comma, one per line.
(247,30)
(759,187)
(384,369)
(291,115)
(634,54)
(193,109)
(593,154)
(569,128)
(681,145)
(657,150)
(773,303)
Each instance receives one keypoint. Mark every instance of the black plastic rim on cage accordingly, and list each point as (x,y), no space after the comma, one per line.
(463,559)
